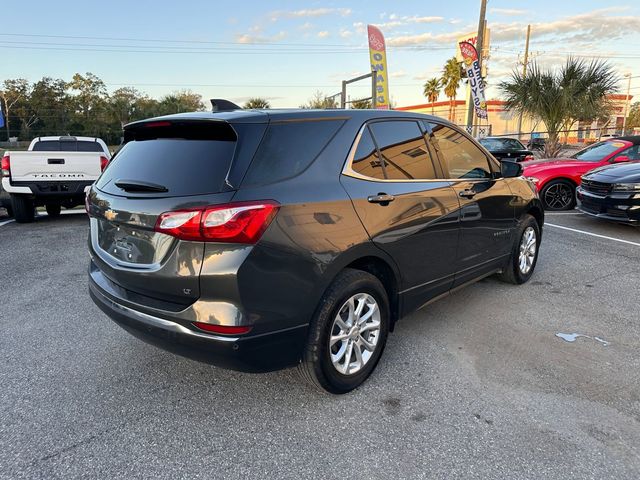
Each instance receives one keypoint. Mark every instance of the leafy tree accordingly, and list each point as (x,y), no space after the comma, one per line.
(450,80)
(576,92)
(15,94)
(179,102)
(633,118)
(361,104)
(431,90)
(320,101)
(258,103)
(123,105)
(50,103)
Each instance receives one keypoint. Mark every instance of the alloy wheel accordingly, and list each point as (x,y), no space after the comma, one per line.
(558,196)
(354,334)
(528,246)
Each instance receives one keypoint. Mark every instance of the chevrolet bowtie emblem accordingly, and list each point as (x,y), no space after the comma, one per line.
(110,215)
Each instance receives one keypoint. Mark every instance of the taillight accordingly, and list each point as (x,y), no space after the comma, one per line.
(240,222)
(528,158)
(6,166)
(222,329)
(104,161)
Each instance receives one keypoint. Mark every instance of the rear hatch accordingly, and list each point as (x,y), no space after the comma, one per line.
(164,166)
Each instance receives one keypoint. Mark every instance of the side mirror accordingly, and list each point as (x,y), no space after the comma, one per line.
(510,169)
(621,158)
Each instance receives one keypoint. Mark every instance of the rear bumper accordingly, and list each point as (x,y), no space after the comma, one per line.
(252,353)
(622,208)
(59,188)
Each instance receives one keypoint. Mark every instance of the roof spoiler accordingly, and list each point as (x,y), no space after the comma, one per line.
(222,105)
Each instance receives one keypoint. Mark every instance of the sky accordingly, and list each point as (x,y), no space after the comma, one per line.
(285,51)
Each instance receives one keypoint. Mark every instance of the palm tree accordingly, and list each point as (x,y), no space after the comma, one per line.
(450,80)
(432,91)
(258,103)
(577,91)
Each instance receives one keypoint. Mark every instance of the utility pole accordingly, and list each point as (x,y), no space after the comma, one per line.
(626,104)
(479,45)
(524,73)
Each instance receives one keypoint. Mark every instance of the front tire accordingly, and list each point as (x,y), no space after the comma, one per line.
(347,334)
(22,208)
(524,254)
(559,195)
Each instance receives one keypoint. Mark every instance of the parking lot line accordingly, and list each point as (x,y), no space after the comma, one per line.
(6,221)
(592,234)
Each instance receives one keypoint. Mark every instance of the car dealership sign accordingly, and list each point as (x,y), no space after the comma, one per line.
(472,67)
(378,55)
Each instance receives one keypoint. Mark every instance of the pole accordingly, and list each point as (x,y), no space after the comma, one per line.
(343,95)
(626,104)
(524,73)
(479,45)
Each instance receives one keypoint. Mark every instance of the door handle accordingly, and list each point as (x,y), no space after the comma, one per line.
(468,193)
(381,198)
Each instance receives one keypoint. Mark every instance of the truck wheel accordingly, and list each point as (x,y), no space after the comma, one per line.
(53,209)
(22,208)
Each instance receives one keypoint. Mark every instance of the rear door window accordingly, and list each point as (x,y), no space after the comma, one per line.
(67,146)
(288,148)
(186,160)
(403,150)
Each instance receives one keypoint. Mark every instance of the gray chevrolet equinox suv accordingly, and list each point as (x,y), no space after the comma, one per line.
(257,240)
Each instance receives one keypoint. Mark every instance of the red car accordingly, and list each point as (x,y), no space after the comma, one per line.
(556,179)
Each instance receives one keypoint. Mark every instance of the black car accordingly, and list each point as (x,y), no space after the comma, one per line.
(536,143)
(504,148)
(257,240)
(612,193)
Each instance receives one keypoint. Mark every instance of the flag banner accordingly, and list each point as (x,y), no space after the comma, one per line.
(472,67)
(378,56)
(1,116)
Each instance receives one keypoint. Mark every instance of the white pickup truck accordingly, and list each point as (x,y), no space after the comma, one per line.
(53,172)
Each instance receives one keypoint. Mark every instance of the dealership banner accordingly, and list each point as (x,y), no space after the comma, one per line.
(378,56)
(472,67)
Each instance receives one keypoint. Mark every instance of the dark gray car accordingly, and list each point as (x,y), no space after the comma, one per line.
(258,240)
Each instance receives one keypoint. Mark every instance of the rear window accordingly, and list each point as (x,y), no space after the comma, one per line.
(185,159)
(67,146)
(501,143)
(288,148)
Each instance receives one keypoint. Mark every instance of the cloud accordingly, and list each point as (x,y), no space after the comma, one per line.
(593,26)
(346,33)
(306,26)
(396,21)
(309,13)
(398,74)
(248,38)
(509,12)
(323,34)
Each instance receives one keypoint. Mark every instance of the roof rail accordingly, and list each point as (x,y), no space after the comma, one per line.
(221,105)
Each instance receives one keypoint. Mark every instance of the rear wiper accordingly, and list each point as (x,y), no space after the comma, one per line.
(140,186)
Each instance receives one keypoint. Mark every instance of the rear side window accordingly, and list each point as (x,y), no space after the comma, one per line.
(185,159)
(288,148)
(403,150)
(461,157)
(366,161)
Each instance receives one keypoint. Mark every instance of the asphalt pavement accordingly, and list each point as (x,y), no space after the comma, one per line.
(477,385)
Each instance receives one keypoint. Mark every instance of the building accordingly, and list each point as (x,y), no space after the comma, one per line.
(503,122)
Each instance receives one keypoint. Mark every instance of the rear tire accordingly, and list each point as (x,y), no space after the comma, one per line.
(353,313)
(22,208)
(524,254)
(53,209)
(559,195)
